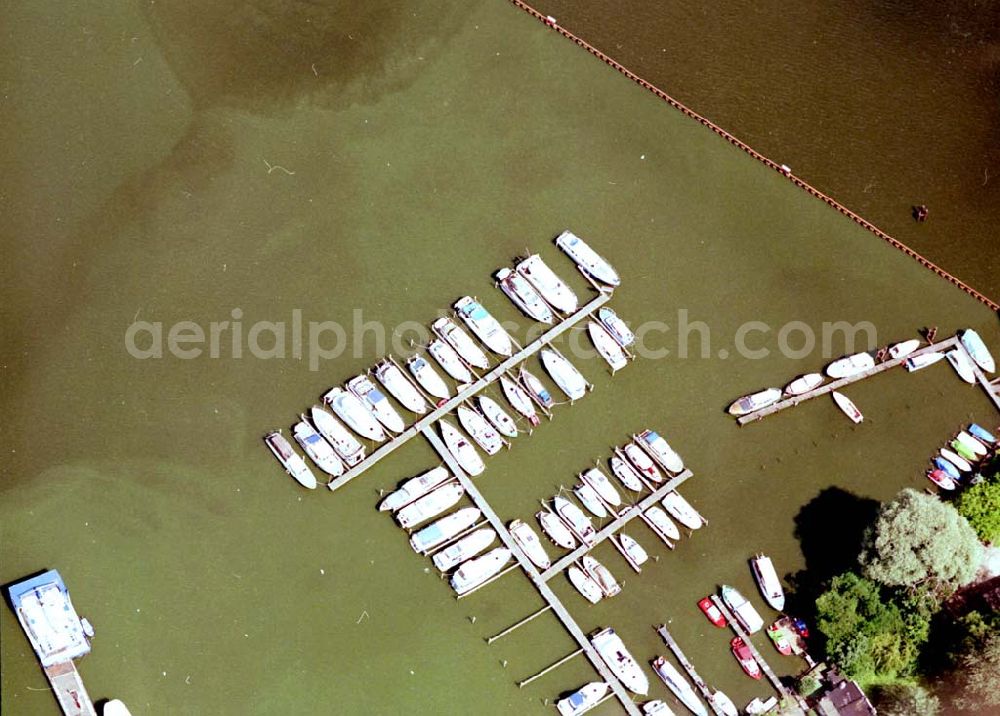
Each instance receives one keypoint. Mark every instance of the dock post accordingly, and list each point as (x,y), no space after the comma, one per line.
(547,669)
(512,627)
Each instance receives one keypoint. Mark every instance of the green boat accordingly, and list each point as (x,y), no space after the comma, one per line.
(964,451)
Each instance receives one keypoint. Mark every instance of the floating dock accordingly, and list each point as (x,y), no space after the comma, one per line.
(69,690)
(689,668)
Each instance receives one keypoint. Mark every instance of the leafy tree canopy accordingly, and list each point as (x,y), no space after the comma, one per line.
(980,505)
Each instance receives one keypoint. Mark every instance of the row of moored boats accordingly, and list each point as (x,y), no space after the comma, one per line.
(957,462)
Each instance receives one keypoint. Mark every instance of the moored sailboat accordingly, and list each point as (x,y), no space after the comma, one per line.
(609,349)
(614,325)
(556,529)
(589,498)
(584,584)
(497,416)
(519,399)
(625,473)
(602,485)
(662,524)
(682,510)
(535,388)
(600,574)
(643,463)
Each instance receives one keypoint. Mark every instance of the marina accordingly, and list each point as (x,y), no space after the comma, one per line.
(699,683)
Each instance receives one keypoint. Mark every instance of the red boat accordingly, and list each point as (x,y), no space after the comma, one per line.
(941,479)
(779,637)
(711,611)
(743,655)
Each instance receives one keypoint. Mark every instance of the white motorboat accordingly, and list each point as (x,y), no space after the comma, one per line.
(583,699)
(972,444)
(578,523)
(586,586)
(589,261)
(383,411)
(848,407)
(804,383)
(742,609)
(614,325)
(660,450)
(478,570)
(461,341)
(318,449)
(850,365)
(591,500)
(643,463)
(464,549)
(415,487)
(600,574)
(497,416)
(901,350)
(481,431)
(957,460)
(523,295)
(528,541)
(923,360)
(519,399)
(290,460)
(621,663)
(680,687)
(349,408)
(682,511)
(977,350)
(428,378)
(552,288)
(115,707)
(535,388)
(613,354)
(635,551)
(484,325)
(758,706)
(755,401)
(351,451)
(448,359)
(461,449)
(626,474)
(396,382)
(723,703)
(656,708)
(962,365)
(437,533)
(768,582)
(600,482)
(566,376)
(430,505)
(662,524)
(556,529)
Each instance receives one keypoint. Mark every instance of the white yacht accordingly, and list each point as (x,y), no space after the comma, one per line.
(396,382)
(682,510)
(962,365)
(626,474)
(643,463)
(351,451)
(428,378)
(684,692)
(519,399)
(901,350)
(850,365)
(804,383)
(635,552)
(523,295)
(742,609)
(318,449)
(430,505)
(768,582)
(528,541)
(461,449)
(349,408)
(977,350)
(290,460)
(50,622)
(578,523)
(476,571)
(589,498)
(583,699)
(535,388)
(566,376)
(415,487)
(373,398)
(556,529)
(660,450)
(448,359)
(484,325)
(461,341)
(600,574)
(584,584)
(662,524)
(437,533)
(481,431)
(589,261)
(497,416)
(552,288)
(602,485)
(465,548)
(755,401)
(618,329)
(612,353)
(621,663)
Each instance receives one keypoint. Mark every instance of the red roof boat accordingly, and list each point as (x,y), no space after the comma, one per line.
(711,611)
(743,655)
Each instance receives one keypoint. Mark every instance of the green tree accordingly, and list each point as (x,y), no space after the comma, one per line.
(975,681)
(905,700)
(980,505)
(917,538)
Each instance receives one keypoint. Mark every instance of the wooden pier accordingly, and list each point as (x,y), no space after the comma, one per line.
(473,388)
(69,690)
(547,594)
(706,693)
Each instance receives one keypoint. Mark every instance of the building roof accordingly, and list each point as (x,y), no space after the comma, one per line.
(844,698)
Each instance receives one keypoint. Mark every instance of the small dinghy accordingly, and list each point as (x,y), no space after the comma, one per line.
(600,574)
(613,354)
(396,382)
(552,288)
(754,402)
(589,261)
(566,376)
(414,488)
(682,511)
(745,658)
(621,663)
(347,446)
(723,703)
(519,399)
(633,549)
(600,482)
(528,541)
(956,460)
(662,524)
(466,548)
(448,359)
(482,323)
(660,450)
(588,496)
(941,479)
(536,389)
(742,609)
(643,463)
(523,295)
(964,450)
(712,612)
(463,344)
(618,329)
(437,533)
(290,460)
(428,378)
(977,350)
(847,405)
(625,473)
(481,431)
(850,365)
(318,449)
(680,687)
(914,363)
(504,424)
(556,529)
(349,408)
(578,523)
(946,467)
(901,350)
(973,444)
(430,505)
(656,708)
(767,581)
(780,638)
(478,570)
(583,699)
(380,407)
(962,365)
(586,586)
(461,449)
(981,433)
(804,383)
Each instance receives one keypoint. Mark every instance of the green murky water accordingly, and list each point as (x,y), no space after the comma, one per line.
(419,150)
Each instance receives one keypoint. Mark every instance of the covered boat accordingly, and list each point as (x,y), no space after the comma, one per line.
(660,450)
(614,325)
(982,434)
(589,261)
(481,431)
(428,378)
(850,365)
(945,466)
(552,288)
(528,541)
(415,487)
(318,449)
(754,402)
(448,359)
(584,584)
(589,498)
(383,411)
(461,449)
(46,613)
(973,444)
(613,354)
(497,416)
(960,462)
(941,479)
(602,485)
(964,450)
(578,523)
(478,570)
(349,408)
(446,528)
(600,574)
(848,407)
(637,555)
(742,609)
(482,323)
(463,344)
(626,474)
(430,505)
(901,350)
(583,699)
(680,687)
(804,383)
(662,524)
(535,388)
(977,350)
(465,548)
(923,360)
(523,295)
(621,663)
(712,612)
(767,581)
(962,365)
(396,382)
(351,451)
(290,460)
(682,510)
(643,463)
(745,658)
(519,399)
(566,376)
(556,529)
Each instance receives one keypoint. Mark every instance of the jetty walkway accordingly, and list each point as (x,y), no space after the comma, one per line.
(69,690)
(689,668)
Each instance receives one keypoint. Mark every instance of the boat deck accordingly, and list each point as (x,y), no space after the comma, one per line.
(69,690)
(688,667)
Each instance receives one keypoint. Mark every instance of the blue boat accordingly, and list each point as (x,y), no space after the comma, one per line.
(43,607)
(941,464)
(980,432)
